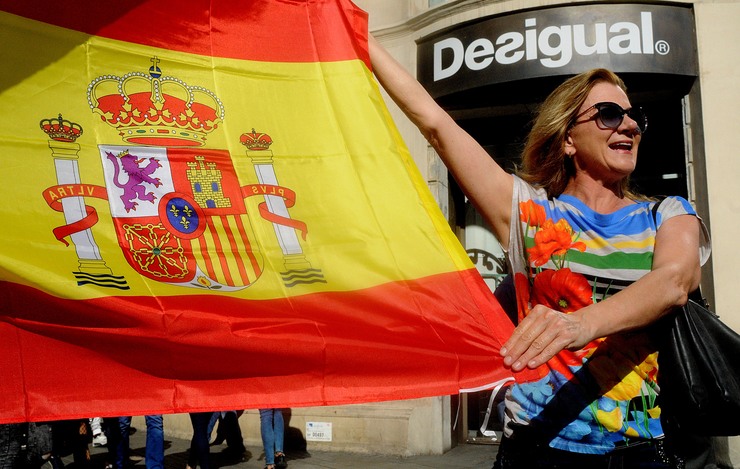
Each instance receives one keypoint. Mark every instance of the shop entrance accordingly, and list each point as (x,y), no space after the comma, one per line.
(661,170)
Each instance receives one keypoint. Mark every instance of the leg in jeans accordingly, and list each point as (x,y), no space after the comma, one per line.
(113,435)
(154,442)
(279,427)
(122,443)
(212,424)
(268,435)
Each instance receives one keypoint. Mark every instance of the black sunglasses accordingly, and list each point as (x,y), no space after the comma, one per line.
(611,115)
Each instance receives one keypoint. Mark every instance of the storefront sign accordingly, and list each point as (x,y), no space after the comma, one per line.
(626,38)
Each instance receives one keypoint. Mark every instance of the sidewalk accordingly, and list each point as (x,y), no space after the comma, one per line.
(465,456)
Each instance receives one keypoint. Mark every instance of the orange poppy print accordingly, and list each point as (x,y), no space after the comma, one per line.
(531,213)
(553,239)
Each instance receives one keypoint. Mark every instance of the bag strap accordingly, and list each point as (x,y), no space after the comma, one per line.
(654,210)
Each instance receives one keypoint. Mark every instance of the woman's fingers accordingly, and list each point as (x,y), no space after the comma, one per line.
(541,335)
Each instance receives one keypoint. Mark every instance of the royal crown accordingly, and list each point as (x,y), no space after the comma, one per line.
(154,109)
(255,141)
(60,129)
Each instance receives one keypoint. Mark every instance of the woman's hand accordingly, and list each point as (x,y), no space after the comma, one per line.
(542,334)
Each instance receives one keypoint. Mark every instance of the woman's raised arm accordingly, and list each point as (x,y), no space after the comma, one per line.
(485,183)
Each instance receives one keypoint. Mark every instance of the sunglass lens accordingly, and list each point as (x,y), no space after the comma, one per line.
(611,115)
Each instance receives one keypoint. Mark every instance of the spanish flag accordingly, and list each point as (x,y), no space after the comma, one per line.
(205,205)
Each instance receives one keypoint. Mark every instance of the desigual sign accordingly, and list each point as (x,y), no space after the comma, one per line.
(636,38)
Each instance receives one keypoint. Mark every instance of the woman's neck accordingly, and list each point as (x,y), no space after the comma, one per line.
(597,196)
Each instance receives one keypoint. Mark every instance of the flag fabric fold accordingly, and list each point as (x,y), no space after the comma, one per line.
(207,206)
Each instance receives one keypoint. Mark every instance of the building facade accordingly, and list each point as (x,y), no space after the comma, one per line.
(489,63)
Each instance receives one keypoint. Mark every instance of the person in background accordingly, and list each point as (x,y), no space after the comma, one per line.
(199,455)
(228,430)
(119,442)
(98,436)
(42,444)
(11,442)
(70,437)
(272,429)
(592,269)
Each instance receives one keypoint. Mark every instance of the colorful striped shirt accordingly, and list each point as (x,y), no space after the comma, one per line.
(565,255)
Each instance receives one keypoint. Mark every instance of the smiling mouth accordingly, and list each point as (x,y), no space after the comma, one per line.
(625,146)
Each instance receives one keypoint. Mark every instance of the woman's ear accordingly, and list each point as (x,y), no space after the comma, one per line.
(568,147)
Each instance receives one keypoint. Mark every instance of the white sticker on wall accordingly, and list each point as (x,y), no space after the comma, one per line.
(318,431)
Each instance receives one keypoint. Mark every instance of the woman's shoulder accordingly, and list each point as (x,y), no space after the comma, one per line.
(671,206)
(525,191)
(667,207)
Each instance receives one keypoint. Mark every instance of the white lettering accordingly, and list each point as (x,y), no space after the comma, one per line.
(630,39)
(553,46)
(563,48)
(646,21)
(507,51)
(531,36)
(457,57)
(477,49)
(600,42)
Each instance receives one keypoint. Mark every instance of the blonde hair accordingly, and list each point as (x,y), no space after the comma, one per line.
(544,163)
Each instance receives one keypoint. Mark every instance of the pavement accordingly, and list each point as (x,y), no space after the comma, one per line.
(465,456)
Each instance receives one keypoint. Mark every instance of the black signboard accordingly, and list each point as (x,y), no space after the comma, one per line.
(625,38)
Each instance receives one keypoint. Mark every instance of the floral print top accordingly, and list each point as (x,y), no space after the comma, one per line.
(566,256)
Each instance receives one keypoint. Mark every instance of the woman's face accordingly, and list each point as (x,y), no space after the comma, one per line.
(604,154)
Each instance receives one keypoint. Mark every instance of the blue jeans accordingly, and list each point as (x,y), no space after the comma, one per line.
(212,423)
(272,428)
(154,442)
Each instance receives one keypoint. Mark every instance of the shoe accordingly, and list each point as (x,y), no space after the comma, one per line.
(99,440)
(280,462)
(56,462)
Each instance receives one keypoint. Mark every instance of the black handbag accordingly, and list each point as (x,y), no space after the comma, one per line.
(698,370)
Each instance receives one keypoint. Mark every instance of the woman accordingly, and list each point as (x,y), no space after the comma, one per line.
(591,267)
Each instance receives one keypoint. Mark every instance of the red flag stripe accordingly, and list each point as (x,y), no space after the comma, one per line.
(175,343)
(182,26)
(249,249)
